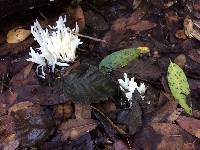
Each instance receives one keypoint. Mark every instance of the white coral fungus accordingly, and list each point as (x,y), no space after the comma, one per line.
(129,86)
(57,45)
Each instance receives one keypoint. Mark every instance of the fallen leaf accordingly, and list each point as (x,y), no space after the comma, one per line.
(136,3)
(75,128)
(191,125)
(119,25)
(32,125)
(141,26)
(135,17)
(174,115)
(146,70)
(16,48)
(86,84)
(180,34)
(119,59)
(179,85)
(188,146)
(17,35)
(180,60)
(8,138)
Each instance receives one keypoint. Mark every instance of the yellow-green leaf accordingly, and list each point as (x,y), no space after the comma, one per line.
(121,58)
(179,86)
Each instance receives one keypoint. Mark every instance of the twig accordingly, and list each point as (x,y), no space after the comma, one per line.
(89,37)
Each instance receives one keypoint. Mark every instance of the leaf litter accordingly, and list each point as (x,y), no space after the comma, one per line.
(89,111)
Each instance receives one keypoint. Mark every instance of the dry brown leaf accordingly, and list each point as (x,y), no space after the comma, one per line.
(74,128)
(188,26)
(119,24)
(8,139)
(19,106)
(174,115)
(180,60)
(192,28)
(166,129)
(143,25)
(32,125)
(188,146)
(180,34)
(136,3)
(17,35)
(135,17)
(191,125)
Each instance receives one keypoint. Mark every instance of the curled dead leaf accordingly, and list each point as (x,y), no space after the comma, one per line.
(180,34)
(192,28)
(17,35)
(19,106)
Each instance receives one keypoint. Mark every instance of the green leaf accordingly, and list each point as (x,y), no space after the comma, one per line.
(179,86)
(119,59)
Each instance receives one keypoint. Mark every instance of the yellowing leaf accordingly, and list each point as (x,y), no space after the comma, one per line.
(179,86)
(121,58)
(143,50)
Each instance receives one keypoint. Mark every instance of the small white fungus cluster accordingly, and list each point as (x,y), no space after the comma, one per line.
(128,87)
(57,45)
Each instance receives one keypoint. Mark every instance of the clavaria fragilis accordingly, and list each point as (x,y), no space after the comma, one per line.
(57,45)
(129,86)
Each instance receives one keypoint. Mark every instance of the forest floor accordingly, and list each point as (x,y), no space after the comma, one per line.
(35,115)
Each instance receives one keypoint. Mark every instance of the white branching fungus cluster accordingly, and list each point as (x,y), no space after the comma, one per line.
(57,45)
(128,87)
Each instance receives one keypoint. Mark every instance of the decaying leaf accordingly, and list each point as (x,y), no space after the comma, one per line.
(180,34)
(191,125)
(120,58)
(74,128)
(146,70)
(86,84)
(8,138)
(180,60)
(179,86)
(32,125)
(17,35)
(136,3)
(141,26)
(191,28)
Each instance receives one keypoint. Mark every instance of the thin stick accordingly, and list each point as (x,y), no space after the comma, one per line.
(89,37)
